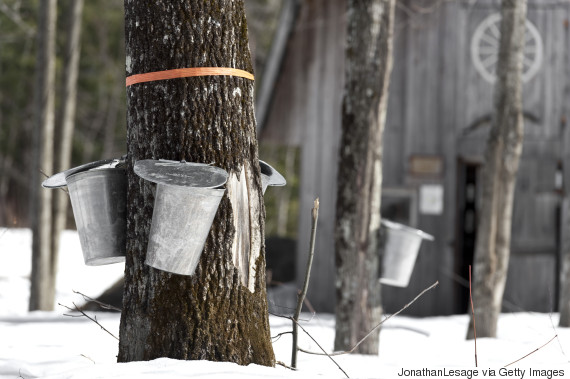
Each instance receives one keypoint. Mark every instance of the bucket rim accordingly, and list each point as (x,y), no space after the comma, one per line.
(111,170)
(274,177)
(181,173)
(204,191)
(60,179)
(396,226)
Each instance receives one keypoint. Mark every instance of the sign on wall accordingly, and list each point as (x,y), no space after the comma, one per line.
(431,199)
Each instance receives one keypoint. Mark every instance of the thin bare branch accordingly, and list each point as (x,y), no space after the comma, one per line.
(556,332)
(102,305)
(303,294)
(86,315)
(284,365)
(16,18)
(375,328)
(532,352)
(277,337)
(289,317)
(47,176)
(320,347)
(85,356)
(278,315)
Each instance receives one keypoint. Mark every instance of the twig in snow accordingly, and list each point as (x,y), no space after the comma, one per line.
(86,315)
(556,332)
(373,329)
(284,365)
(473,312)
(303,294)
(532,352)
(85,356)
(102,305)
(320,347)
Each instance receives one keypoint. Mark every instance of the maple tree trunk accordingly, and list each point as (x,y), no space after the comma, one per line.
(219,313)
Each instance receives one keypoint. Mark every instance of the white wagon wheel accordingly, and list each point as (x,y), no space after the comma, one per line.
(485,48)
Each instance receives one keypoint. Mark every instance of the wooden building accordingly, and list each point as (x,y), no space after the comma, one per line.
(438,119)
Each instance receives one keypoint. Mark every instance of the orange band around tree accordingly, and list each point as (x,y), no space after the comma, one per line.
(185,73)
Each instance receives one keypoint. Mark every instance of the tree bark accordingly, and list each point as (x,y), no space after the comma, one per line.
(42,291)
(502,156)
(367,73)
(64,142)
(219,313)
(564,301)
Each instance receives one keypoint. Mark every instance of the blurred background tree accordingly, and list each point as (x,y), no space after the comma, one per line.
(100,118)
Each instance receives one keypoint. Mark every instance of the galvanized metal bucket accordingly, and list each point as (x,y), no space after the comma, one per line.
(270,176)
(181,222)
(401,248)
(99,202)
(186,201)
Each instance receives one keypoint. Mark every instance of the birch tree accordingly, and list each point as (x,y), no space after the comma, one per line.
(502,156)
(64,131)
(42,291)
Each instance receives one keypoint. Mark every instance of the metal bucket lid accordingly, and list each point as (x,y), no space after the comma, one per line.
(60,179)
(182,174)
(395,226)
(274,178)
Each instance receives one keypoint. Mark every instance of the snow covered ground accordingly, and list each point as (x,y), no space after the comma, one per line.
(51,345)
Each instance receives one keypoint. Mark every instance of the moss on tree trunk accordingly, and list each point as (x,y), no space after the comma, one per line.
(213,314)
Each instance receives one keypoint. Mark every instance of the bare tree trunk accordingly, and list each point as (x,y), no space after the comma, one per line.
(564,303)
(42,291)
(502,157)
(64,133)
(564,293)
(368,68)
(219,313)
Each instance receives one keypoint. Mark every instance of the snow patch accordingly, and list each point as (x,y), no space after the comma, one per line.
(51,345)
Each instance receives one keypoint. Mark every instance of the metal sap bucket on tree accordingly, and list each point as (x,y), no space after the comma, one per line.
(186,201)
(270,176)
(98,193)
(400,250)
